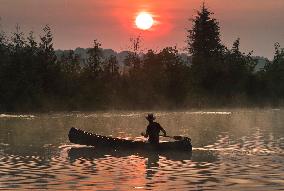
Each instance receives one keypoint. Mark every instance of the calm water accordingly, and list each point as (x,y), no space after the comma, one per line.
(233,150)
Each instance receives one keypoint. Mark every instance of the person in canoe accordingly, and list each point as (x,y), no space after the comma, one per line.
(153,130)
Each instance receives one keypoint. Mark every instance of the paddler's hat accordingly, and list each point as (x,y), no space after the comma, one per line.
(150,117)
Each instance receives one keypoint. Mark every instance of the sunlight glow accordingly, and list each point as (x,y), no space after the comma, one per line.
(144,21)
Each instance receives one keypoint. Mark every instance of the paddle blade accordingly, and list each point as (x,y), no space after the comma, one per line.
(180,138)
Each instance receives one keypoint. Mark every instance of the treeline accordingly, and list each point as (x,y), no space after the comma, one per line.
(33,78)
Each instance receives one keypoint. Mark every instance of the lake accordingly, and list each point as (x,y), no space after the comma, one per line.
(234,149)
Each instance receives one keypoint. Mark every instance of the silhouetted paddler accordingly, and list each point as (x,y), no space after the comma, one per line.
(153,130)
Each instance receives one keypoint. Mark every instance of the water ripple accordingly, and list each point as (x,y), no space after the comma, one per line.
(230,154)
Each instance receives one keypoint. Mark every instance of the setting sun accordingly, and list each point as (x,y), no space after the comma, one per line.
(144,21)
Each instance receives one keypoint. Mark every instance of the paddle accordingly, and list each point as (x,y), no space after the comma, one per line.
(178,138)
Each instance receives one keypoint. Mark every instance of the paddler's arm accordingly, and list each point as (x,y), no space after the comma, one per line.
(145,134)
(163,130)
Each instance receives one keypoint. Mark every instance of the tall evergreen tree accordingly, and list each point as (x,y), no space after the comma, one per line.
(204,36)
(205,47)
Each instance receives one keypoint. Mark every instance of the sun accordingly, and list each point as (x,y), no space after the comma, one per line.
(144,21)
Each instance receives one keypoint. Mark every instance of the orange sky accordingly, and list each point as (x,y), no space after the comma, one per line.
(259,23)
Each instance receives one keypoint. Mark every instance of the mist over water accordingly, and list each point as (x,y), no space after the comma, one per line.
(235,149)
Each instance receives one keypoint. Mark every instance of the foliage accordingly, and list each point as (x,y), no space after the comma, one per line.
(274,74)
(33,78)
(205,46)
(218,74)
(204,36)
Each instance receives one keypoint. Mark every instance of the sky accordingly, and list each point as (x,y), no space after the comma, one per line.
(76,23)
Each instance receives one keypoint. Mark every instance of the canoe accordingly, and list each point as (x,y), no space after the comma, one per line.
(81,137)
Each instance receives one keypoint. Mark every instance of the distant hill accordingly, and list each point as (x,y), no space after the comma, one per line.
(261,61)
(82,52)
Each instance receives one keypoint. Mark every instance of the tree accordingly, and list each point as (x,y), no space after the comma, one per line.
(92,87)
(204,37)
(70,64)
(49,69)
(111,79)
(20,73)
(16,72)
(132,82)
(274,74)
(46,47)
(237,72)
(32,45)
(153,79)
(95,60)
(4,63)
(132,60)
(70,71)
(111,68)
(176,74)
(205,46)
